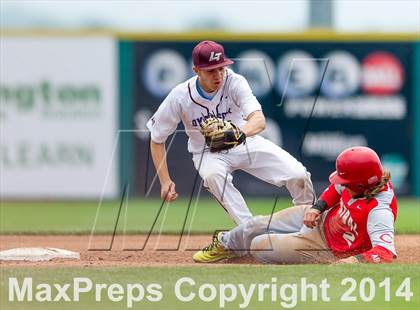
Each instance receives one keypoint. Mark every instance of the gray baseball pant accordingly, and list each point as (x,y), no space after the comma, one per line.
(280,239)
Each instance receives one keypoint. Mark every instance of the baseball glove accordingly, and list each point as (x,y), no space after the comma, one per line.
(221,135)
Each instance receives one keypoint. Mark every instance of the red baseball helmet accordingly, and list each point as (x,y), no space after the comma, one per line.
(359,168)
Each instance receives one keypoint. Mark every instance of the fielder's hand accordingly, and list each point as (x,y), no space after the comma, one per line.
(168,192)
(312,218)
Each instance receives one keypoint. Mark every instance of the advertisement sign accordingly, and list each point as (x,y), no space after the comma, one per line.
(318,98)
(58,113)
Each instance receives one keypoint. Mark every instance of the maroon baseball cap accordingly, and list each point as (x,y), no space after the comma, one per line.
(209,55)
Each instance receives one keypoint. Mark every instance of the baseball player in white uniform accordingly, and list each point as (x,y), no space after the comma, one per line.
(217,91)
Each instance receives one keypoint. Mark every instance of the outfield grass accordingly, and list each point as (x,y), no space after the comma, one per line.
(79,217)
(245,275)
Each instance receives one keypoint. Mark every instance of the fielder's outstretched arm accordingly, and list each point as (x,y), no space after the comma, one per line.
(255,124)
(167,192)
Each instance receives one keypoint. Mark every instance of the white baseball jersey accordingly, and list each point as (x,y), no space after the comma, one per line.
(234,101)
(261,158)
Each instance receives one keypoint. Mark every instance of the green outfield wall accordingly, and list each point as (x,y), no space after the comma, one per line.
(126,103)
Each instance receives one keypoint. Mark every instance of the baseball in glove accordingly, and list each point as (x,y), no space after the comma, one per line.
(221,135)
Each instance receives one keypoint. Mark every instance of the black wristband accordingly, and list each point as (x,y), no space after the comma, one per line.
(320,205)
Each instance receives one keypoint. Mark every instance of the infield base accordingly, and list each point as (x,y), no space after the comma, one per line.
(37,254)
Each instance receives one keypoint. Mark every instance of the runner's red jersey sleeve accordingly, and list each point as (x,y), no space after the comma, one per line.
(331,195)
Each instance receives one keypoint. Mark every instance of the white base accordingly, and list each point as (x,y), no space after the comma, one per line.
(37,254)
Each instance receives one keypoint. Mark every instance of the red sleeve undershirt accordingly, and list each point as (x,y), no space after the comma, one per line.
(330,196)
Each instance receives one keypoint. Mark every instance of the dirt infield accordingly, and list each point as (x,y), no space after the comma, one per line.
(159,251)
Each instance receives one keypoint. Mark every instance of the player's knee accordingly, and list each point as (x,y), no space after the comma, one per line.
(261,248)
(274,249)
(301,178)
(215,178)
(301,174)
(257,225)
(260,243)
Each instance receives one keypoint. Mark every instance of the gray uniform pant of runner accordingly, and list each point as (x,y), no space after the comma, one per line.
(280,239)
